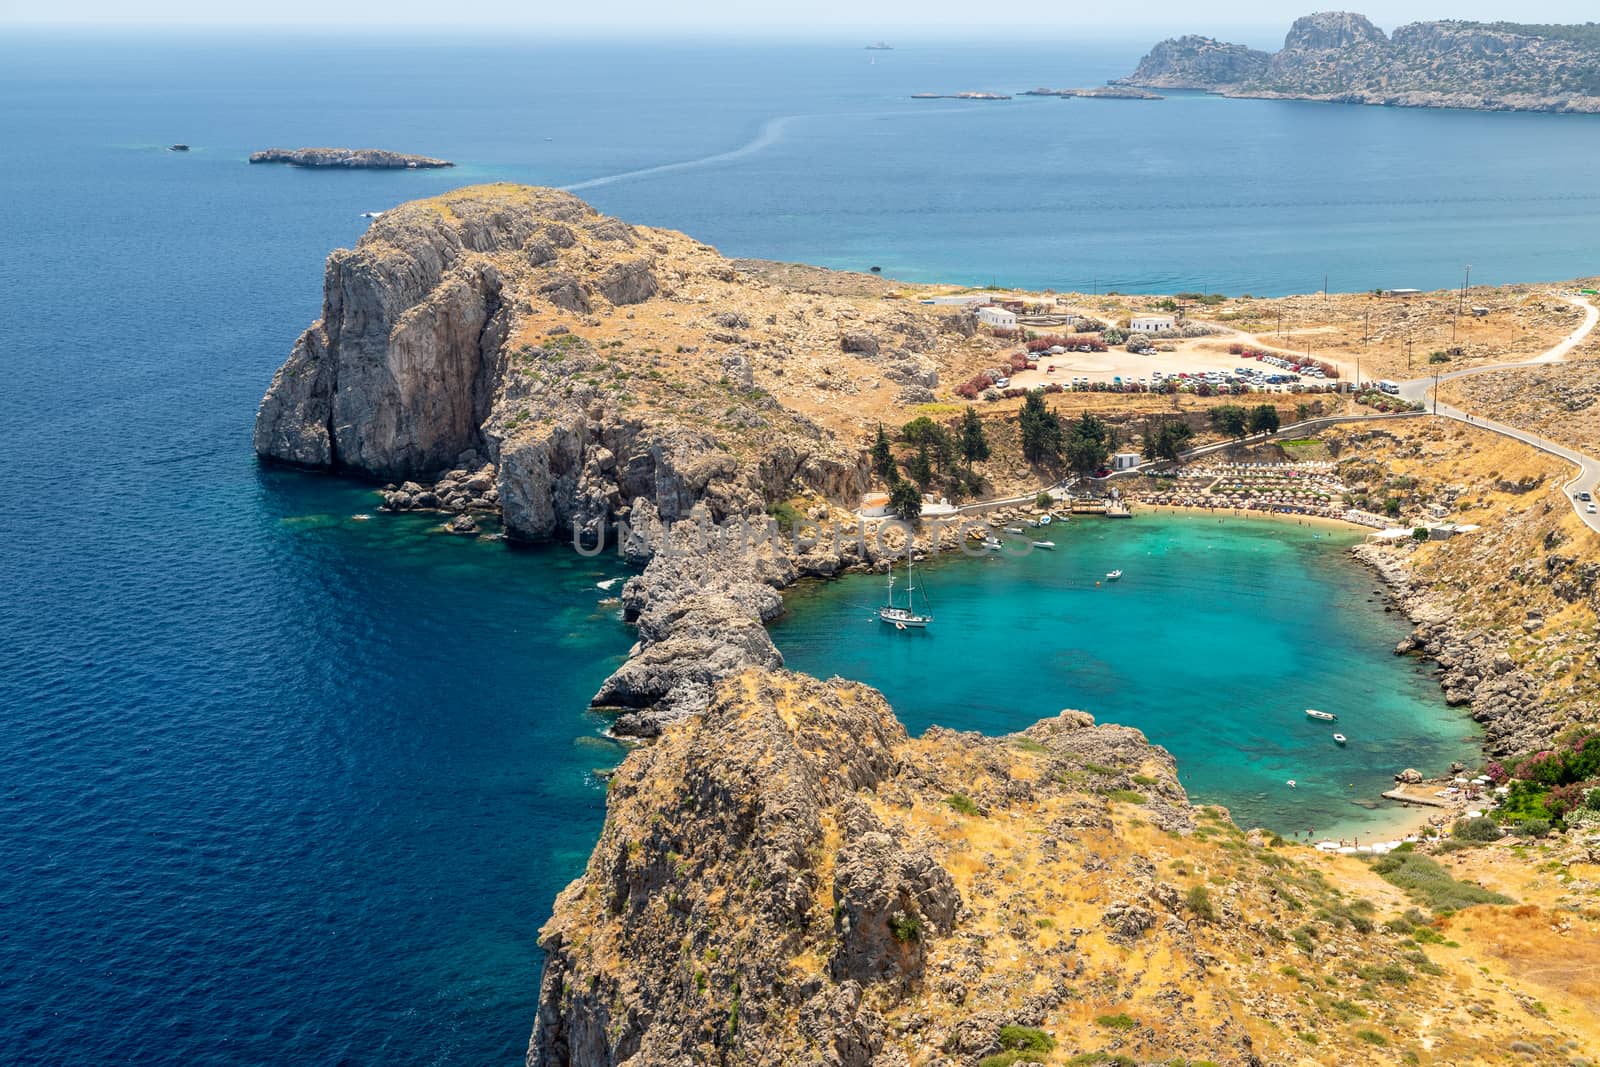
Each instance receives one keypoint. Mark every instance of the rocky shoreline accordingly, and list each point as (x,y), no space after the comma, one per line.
(1476,670)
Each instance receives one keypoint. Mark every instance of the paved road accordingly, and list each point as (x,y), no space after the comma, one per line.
(1587,478)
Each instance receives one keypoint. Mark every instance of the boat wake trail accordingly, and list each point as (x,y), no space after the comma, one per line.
(771,133)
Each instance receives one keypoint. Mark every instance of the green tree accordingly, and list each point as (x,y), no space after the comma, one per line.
(1264,419)
(974,442)
(921,431)
(1041,429)
(905,501)
(883,457)
(945,450)
(920,467)
(1230,419)
(1089,444)
(1167,439)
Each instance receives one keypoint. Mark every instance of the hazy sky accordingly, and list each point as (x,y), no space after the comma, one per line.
(813,18)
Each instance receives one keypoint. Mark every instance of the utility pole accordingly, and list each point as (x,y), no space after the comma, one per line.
(1436,393)
(1324,288)
(1366,327)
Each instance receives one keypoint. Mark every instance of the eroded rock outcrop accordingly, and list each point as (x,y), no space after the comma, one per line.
(788,878)
(1341,56)
(475,323)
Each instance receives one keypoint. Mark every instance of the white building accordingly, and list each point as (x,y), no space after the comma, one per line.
(1152,323)
(1123,461)
(993,316)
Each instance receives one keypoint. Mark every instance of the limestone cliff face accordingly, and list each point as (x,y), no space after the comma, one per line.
(1341,56)
(472,326)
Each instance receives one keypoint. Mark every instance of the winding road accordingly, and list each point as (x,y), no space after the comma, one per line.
(1420,390)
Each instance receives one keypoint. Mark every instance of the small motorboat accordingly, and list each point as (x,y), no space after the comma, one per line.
(1290,783)
(1013,529)
(993,544)
(179,147)
(1112,576)
(370,214)
(1045,520)
(1043,544)
(1321,716)
(1339,739)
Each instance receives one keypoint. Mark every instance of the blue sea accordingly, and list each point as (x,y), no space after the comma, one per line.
(280,783)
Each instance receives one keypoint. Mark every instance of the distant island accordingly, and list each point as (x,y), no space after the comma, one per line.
(960,96)
(349,158)
(1099,92)
(1341,57)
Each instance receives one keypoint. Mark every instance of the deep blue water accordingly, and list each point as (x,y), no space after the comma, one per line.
(1214,642)
(281,785)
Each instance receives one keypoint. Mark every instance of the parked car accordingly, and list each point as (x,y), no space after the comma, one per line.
(1589,508)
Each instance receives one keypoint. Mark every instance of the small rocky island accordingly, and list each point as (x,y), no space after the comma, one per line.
(349,158)
(1341,57)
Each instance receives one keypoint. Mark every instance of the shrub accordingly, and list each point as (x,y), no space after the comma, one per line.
(1198,900)
(1006,1059)
(1119,1021)
(1043,500)
(962,803)
(1372,1037)
(1026,1037)
(1482,828)
(905,927)
(1532,828)
(1428,883)
(1127,796)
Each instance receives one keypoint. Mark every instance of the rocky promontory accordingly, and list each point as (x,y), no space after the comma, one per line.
(348,158)
(593,371)
(1342,57)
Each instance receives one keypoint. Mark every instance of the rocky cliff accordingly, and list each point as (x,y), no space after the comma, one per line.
(790,879)
(1342,57)
(1193,62)
(591,365)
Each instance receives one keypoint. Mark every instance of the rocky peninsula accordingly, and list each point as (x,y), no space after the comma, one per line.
(1343,57)
(348,158)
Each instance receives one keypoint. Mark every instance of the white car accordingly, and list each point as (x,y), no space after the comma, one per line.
(1589,508)
(1001,383)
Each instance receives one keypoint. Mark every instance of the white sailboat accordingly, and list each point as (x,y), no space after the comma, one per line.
(904,618)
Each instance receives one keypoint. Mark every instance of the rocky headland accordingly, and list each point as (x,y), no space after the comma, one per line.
(784,875)
(1342,57)
(348,158)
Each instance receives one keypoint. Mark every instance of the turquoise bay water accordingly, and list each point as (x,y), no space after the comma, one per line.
(1214,643)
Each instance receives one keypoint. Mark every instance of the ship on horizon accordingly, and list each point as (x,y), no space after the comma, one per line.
(880,46)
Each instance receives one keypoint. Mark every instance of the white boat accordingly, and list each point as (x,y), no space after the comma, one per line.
(370,214)
(1013,529)
(1339,739)
(1290,783)
(1112,576)
(1321,716)
(1043,544)
(906,618)
(1045,520)
(993,544)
